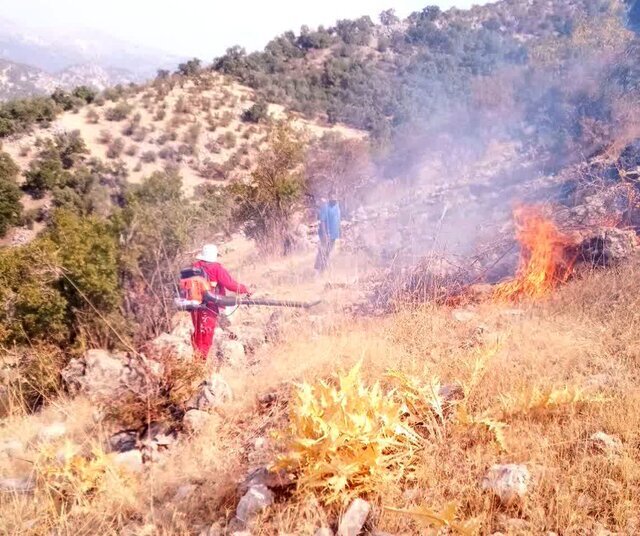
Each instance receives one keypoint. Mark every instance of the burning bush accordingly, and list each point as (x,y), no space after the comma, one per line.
(544,259)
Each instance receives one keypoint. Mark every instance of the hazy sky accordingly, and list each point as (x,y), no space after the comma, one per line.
(204,28)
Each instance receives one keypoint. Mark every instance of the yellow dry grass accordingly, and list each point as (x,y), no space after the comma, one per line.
(553,373)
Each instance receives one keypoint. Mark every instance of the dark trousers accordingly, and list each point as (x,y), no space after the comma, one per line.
(324,251)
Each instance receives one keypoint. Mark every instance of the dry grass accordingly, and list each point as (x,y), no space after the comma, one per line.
(562,370)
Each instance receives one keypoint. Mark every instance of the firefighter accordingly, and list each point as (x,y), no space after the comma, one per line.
(204,320)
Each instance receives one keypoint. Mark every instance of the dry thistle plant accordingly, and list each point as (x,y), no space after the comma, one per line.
(346,440)
(443,520)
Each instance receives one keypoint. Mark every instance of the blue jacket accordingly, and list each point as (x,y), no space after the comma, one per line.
(329,218)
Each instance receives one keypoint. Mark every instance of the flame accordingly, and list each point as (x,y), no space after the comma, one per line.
(544,261)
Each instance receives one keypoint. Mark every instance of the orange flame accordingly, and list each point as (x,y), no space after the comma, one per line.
(544,262)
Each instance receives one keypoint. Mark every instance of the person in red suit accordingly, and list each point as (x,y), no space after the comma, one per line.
(204,320)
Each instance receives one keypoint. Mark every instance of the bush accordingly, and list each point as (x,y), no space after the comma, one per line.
(93,117)
(10,205)
(20,115)
(119,112)
(32,307)
(257,113)
(267,204)
(115,148)
(228,140)
(148,157)
(85,93)
(132,150)
(44,174)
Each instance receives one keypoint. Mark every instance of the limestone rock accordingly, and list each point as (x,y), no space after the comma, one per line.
(354,518)
(123,441)
(52,431)
(257,499)
(130,460)
(324,531)
(269,479)
(508,482)
(232,352)
(605,443)
(104,375)
(184,492)
(195,420)
(212,393)
(170,344)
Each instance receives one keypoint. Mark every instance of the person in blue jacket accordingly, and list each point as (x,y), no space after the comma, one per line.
(329,221)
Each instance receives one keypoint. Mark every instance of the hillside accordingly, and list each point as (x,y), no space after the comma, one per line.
(19,80)
(468,363)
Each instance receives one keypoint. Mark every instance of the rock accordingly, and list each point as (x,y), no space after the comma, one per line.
(211,394)
(269,479)
(232,352)
(123,441)
(463,315)
(605,443)
(508,482)
(130,460)
(11,447)
(241,533)
(53,431)
(184,492)
(195,420)
(354,518)
(608,247)
(17,485)
(173,345)
(102,375)
(324,531)
(253,502)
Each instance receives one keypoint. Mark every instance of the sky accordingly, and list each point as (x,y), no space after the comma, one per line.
(202,28)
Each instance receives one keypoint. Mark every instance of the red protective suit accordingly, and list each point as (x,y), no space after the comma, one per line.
(204,321)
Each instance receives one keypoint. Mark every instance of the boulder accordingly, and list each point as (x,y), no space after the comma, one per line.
(608,247)
(170,344)
(123,441)
(509,482)
(195,420)
(211,393)
(52,431)
(130,460)
(323,531)
(254,501)
(605,443)
(354,518)
(232,352)
(103,375)
(463,315)
(184,492)
(262,476)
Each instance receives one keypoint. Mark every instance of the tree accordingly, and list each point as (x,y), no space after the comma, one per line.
(389,17)
(10,205)
(266,205)
(86,93)
(339,166)
(190,68)
(257,113)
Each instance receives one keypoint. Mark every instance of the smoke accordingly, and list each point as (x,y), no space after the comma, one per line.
(450,179)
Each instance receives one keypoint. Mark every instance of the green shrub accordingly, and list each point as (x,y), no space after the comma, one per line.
(20,115)
(10,205)
(32,307)
(266,205)
(119,112)
(257,113)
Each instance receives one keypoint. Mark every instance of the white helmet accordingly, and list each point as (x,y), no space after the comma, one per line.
(209,253)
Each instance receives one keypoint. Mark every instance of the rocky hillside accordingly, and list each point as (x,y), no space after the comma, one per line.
(19,80)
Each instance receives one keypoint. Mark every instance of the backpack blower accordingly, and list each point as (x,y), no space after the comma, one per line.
(197,293)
